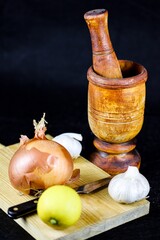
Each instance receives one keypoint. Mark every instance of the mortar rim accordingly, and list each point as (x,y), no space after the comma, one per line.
(125,82)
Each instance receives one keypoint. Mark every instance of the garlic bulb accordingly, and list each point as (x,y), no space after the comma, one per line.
(71,142)
(129,187)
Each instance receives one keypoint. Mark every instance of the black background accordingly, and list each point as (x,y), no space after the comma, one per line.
(45,51)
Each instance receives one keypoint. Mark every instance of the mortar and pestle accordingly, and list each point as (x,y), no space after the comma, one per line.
(116,100)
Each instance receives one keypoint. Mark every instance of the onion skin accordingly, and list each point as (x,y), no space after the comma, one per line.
(39,164)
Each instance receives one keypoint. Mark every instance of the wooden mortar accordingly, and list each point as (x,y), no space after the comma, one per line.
(115,103)
(115,115)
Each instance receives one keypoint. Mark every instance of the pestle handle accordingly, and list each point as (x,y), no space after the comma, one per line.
(105,62)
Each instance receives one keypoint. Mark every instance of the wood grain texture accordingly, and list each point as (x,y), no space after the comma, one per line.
(105,62)
(116,106)
(1,145)
(100,213)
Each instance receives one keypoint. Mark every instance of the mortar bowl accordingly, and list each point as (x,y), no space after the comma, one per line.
(116,106)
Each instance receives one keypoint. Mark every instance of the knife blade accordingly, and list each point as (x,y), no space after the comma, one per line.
(29,207)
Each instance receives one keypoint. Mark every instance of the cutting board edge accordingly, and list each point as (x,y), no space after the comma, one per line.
(96,229)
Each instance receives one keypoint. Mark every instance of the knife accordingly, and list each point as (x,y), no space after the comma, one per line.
(29,207)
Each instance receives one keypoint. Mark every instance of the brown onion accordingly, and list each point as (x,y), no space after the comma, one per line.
(40,163)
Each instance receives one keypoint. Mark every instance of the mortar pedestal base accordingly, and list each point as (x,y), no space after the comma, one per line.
(115,158)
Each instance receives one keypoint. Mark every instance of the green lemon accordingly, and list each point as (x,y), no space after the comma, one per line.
(59,205)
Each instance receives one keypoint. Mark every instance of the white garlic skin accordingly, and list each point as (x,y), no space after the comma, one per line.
(129,187)
(71,142)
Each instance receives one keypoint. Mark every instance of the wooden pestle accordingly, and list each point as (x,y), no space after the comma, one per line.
(105,62)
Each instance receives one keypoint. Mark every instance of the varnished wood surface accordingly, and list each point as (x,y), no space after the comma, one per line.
(105,62)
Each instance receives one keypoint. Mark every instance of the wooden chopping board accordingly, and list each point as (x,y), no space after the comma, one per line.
(100,213)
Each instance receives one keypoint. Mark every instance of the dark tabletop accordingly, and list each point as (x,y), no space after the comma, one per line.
(45,52)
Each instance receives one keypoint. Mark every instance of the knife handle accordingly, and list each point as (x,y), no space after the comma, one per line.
(21,209)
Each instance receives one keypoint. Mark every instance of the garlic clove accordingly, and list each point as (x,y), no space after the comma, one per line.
(71,142)
(129,187)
